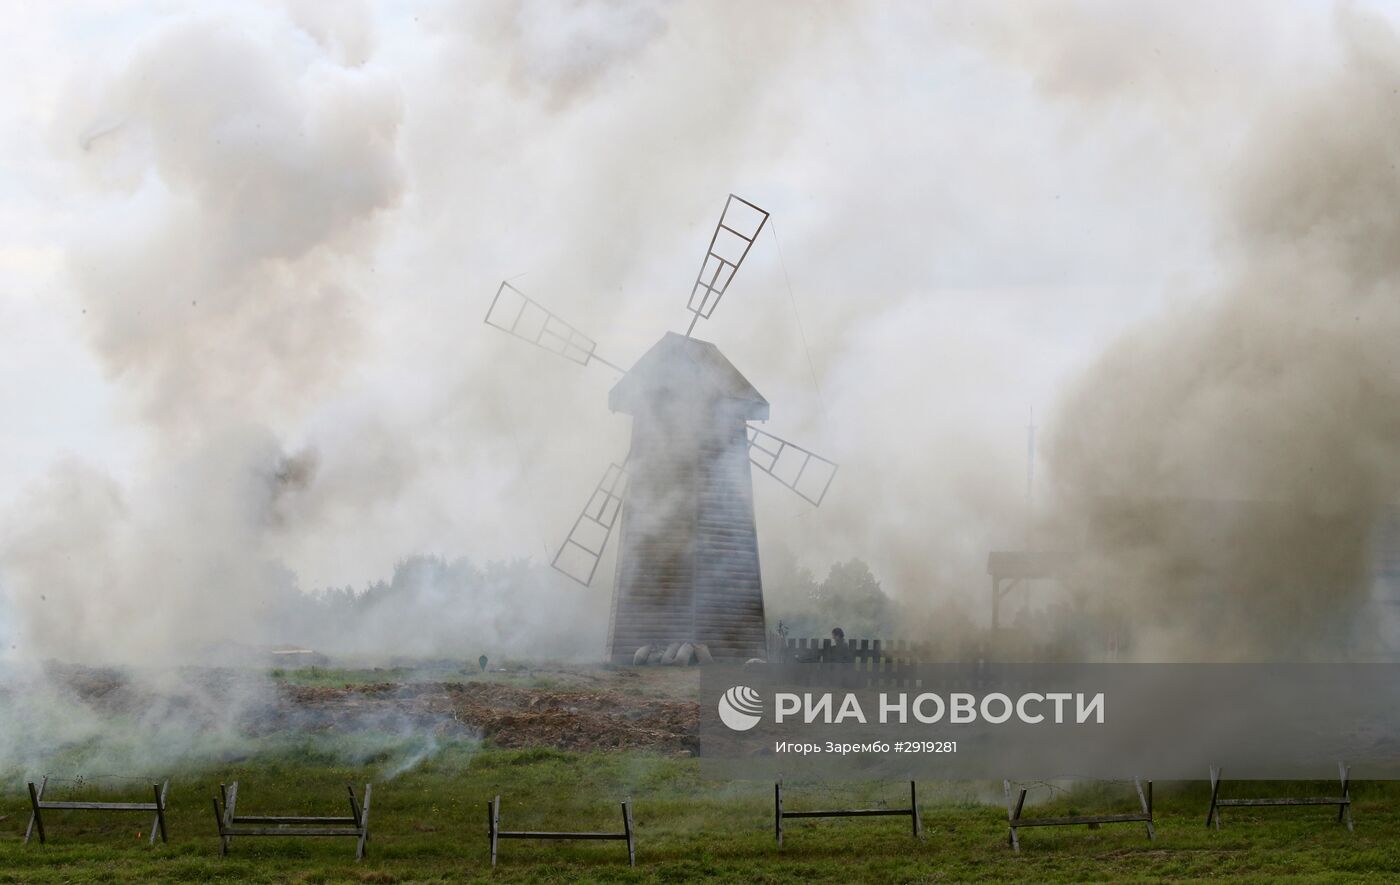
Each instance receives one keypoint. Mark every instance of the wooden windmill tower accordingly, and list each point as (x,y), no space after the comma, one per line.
(687,568)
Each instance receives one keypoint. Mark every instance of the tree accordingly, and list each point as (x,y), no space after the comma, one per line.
(849,597)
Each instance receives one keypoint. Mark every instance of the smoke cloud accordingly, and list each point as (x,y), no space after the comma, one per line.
(1233,457)
(238,170)
(285,228)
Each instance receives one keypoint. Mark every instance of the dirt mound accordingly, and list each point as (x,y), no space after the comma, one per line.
(505,715)
(583,709)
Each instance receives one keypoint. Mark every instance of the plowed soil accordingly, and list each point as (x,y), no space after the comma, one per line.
(583,708)
(505,715)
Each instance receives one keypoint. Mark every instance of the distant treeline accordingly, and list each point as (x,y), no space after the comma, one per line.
(431,605)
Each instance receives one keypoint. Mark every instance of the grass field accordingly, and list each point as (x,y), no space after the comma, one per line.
(428,825)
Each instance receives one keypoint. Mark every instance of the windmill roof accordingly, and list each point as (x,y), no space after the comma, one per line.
(677,365)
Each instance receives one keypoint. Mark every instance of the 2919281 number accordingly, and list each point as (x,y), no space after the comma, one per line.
(925,746)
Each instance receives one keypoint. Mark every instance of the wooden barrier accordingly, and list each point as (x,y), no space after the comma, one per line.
(1343,802)
(912,812)
(494,831)
(1005,645)
(37,803)
(1015,821)
(231,823)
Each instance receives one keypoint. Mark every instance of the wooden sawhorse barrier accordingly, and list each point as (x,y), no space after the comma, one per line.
(1343,802)
(37,803)
(231,823)
(912,812)
(494,831)
(1014,819)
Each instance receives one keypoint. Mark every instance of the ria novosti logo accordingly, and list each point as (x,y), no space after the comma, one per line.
(740,708)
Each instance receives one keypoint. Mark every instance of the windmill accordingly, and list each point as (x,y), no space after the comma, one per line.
(687,565)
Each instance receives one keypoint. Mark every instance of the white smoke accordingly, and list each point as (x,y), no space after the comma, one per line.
(292,222)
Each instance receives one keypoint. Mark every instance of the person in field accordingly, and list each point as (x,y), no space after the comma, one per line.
(839,652)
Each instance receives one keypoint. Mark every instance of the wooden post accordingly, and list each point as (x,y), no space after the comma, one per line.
(230,811)
(159,823)
(1146,803)
(1213,814)
(1344,811)
(220,810)
(1011,815)
(354,804)
(34,817)
(37,820)
(491,830)
(219,822)
(495,826)
(364,824)
(914,804)
(1020,804)
(627,828)
(778,811)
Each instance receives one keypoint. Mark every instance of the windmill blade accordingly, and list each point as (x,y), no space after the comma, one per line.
(580,553)
(805,472)
(739,225)
(515,313)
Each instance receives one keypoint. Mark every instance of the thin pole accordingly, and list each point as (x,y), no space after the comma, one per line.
(1030,504)
(1030,475)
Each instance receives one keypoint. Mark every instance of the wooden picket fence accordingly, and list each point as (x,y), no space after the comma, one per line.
(874,654)
(879,663)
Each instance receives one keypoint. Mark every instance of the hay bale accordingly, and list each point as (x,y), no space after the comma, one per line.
(655,656)
(702,654)
(640,658)
(684,655)
(670,654)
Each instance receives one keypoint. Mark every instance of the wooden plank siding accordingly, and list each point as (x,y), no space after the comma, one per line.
(688,551)
(688,568)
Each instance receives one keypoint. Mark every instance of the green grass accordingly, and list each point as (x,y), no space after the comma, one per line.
(428,825)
